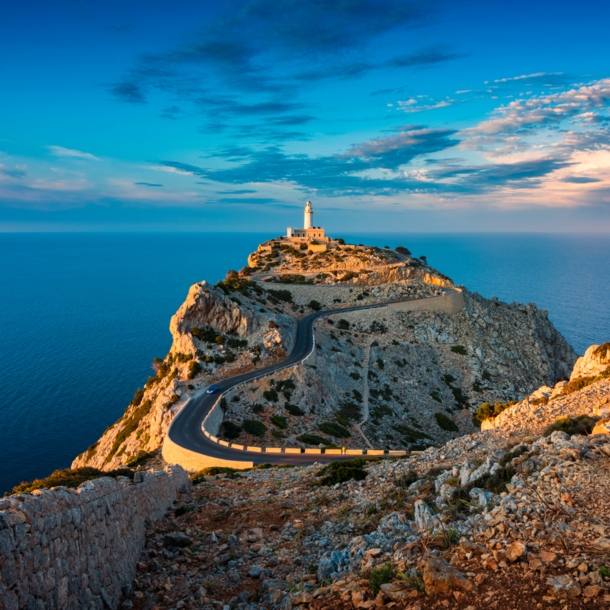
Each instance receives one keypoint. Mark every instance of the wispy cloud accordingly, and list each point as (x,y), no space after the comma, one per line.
(147,184)
(535,75)
(60,151)
(412,105)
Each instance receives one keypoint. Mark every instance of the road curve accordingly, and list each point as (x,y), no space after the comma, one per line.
(186,431)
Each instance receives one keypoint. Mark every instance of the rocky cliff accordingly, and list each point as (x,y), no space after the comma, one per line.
(410,378)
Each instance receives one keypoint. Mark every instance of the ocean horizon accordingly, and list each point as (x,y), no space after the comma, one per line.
(84,314)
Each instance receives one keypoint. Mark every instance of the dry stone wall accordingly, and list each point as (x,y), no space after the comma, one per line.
(77,548)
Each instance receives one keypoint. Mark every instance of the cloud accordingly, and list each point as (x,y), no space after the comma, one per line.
(60,151)
(580,179)
(545,110)
(147,184)
(171,112)
(260,58)
(535,75)
(12,173)
(236,192)
(410,106)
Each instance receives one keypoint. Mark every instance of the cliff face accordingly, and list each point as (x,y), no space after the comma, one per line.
(218,331)
(415,377)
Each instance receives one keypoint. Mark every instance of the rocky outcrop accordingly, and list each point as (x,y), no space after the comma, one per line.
(218,331)
(595,361)
(78,548)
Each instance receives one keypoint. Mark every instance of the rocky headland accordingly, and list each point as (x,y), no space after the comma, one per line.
(379,378)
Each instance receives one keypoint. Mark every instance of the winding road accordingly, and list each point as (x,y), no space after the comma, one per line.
(186,431)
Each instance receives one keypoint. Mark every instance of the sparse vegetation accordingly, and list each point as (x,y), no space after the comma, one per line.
(293,410)
(254,427)
(445,423)
(340,472)
(381,576)
(69,477)
(459,349)
(583,424)
(230,430)
(313,439)
(343,324)
(333,429)
(488,411)
(279,421)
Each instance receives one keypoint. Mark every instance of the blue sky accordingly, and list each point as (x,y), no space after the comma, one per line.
(389,115)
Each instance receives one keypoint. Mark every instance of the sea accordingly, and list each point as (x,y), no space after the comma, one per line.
(82,315)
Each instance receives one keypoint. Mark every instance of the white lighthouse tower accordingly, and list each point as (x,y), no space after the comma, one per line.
(308,216)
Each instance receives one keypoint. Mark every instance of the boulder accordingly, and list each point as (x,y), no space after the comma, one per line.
(176,540)
(595,360)
(440,578)
(425,519)
(563,586)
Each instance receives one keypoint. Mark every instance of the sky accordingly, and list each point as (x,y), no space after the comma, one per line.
(390,115)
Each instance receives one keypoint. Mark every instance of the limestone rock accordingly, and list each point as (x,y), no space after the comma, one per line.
(595,360)
(563,586)
(515,551)
(441,578)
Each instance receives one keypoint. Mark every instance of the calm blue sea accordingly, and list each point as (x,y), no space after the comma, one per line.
(83,315)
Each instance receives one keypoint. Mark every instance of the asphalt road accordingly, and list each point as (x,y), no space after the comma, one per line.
(186,430)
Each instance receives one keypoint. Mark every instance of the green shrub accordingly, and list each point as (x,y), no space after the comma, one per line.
(381,576)
(487,410)
(137,397)
(197,477)
(258,408)
(277,434)
(486,376)
(583,424)
(340,472)
(495,483)
(219,359)
(254,427)
(279,421)
(194,368)
(293,410)
(233,342)
(378,327)
(333,429)
(355,375)
(435,396)
(313,439)
(349,411)
(459,349)
(69,477)
(343,324)
(380,363)
(271,395)
(230,430)
(206,335)
(313,304)
(282,295)
(411,435)
(583,382)
(445,423)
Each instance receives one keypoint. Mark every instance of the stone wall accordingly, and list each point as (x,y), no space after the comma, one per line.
(76,548)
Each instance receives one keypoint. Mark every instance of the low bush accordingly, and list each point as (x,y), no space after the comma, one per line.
(348,412)
(230,430)
(315,305)
(459,349)
(333,429)
(435,396)
(381,576)
(137,398)
(511,455)
(254,427)
(487,410)
(271,395)
(293,410)
(313,439)
(343,324)
(282,295)
(279,421)
(194,368)
(233,342)
(355,376)
(445,423)
(69,477)
(258,408)
(583,382)
(496,483)
(583,424)
(340,472)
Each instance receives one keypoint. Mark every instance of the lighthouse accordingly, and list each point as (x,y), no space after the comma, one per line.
(308,216)
(309,233)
